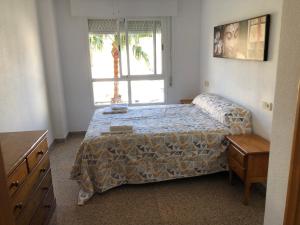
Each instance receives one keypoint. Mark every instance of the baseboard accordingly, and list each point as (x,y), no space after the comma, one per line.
(261,188)
(76,133)
(57,141)
(63,140)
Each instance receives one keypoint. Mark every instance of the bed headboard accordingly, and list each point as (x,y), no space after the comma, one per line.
(236,117)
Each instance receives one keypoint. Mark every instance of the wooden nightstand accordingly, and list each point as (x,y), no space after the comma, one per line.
(186,101)
(248,157)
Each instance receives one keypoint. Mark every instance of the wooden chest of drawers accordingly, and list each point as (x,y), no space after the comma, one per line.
(248,157)
(29,181)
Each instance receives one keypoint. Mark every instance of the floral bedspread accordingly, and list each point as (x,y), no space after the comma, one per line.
(168,142)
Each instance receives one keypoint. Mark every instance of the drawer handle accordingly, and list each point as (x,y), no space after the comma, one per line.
(47,206)
(15,184)
(43,170)
(40,153)
(19,205)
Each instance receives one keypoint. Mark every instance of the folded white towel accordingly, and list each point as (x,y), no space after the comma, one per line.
(108,110)
(119,106)
(121,128)
(116,132)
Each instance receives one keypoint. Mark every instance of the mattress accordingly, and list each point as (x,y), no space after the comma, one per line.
(168,142)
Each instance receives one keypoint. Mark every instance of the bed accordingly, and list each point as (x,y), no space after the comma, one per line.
(168,142)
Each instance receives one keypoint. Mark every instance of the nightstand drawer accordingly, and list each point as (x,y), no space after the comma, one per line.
(236,167)
(248,156)
(237,155)
(186,101)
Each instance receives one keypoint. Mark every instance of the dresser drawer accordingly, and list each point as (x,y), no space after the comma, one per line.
(17,177)
(45,210)
(237,155)
(37,154)
(236,167)
(35,200)
(30,184)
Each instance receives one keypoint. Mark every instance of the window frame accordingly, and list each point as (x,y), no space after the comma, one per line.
(165,35)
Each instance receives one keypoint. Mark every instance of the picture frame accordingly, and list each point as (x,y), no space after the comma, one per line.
(245,40)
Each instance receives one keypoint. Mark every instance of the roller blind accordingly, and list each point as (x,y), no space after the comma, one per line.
(144,26)
(108,26)
(140,26)
(103,26)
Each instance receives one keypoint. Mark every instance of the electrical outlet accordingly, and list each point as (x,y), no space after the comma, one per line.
(206,83)
(267,106)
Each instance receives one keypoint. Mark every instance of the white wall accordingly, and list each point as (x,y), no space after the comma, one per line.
(123,8)
(245,82)
(284,113)
(52,65)
(186,55)
(74,54)
(23,93)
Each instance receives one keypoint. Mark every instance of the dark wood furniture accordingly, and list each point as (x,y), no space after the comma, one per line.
(186,101)
(29,181)
(6,215)
(248,158)
(292,208)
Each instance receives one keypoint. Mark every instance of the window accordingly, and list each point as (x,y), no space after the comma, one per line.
(128,61)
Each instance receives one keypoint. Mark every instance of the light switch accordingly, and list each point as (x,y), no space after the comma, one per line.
(267,106)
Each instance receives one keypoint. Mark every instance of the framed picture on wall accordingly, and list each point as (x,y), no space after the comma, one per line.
(246,40)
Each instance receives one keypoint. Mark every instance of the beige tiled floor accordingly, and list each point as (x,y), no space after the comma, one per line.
(207,200)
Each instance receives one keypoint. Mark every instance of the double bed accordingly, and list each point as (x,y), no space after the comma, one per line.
(167,142)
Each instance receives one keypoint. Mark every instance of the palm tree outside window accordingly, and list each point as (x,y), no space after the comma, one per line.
(126,61)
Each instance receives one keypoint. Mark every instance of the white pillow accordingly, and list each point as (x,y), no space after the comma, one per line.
(230,114)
